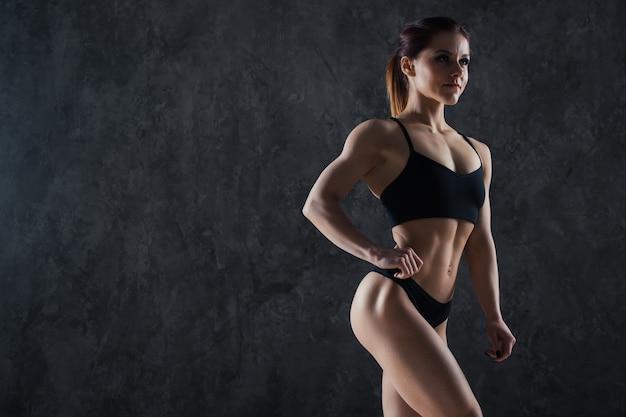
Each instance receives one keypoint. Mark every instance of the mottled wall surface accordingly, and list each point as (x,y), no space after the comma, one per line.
(154,157)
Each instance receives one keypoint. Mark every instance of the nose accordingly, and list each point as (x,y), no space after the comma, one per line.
(457,69)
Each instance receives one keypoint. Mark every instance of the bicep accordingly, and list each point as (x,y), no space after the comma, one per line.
(336,180)
(358,157)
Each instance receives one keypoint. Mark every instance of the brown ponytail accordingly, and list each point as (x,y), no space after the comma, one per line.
(396,85)
(412,40)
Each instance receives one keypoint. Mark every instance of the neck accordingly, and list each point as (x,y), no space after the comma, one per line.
(425,111)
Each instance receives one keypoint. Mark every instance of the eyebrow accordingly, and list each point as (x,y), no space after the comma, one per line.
(449,53)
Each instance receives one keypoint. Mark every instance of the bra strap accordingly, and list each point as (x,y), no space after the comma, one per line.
(473,147)
(406,134)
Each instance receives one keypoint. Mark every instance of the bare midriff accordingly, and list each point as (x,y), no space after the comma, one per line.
(439,242)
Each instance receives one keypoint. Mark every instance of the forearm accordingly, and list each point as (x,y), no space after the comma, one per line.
(481,257)
(483,268)
(332,222)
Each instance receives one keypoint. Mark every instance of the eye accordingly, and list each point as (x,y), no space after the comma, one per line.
(443,58)
(464,61)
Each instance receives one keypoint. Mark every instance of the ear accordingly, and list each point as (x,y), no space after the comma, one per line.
(407,66)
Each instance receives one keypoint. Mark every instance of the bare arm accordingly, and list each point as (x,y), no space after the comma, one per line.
(480,252)
(361,154)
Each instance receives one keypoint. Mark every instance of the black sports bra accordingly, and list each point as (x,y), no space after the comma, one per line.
(426,189)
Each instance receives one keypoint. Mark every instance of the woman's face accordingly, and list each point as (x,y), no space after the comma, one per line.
(441,69)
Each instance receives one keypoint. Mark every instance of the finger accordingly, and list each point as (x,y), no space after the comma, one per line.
(413,262)
(495,355)
(411,268)
(496,349)
(500,358)
(417,259)
(406,267)
(401,269)
(508,347)
(408,257)
(505,351)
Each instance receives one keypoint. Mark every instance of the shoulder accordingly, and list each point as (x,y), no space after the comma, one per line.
(377,128)
(374,133)
(369,143)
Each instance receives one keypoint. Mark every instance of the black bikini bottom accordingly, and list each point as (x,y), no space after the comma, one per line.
(432,310)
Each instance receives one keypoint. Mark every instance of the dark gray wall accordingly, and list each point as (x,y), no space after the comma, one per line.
(154,156)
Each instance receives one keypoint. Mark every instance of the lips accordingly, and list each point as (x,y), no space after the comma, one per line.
(453,85)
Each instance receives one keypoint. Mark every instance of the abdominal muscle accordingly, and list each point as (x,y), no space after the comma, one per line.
(439,242)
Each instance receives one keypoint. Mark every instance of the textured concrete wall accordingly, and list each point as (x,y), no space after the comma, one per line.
(154,156)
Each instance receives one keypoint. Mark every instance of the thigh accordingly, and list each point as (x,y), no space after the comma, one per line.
(414,358)
(393,404)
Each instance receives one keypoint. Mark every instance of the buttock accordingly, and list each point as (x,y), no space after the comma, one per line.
(433,311)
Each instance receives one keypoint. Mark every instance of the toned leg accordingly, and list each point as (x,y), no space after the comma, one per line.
(416,361)
(393,404)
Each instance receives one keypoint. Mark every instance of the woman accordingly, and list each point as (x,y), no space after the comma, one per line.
(434,185)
